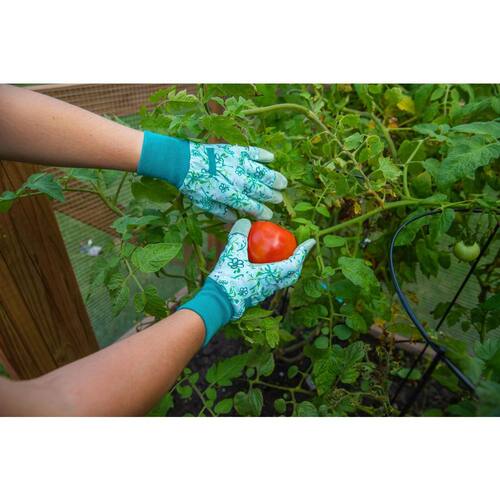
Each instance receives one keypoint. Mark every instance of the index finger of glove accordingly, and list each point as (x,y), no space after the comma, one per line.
(295,262)
(267,176)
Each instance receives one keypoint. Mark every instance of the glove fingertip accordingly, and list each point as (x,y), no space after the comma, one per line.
(266,214)
(280,182)
(241,226)
(264,155)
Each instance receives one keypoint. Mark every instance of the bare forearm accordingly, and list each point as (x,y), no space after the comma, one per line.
(127,378)
(39,129)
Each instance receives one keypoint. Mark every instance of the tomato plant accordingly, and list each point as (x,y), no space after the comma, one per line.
(268,242)
(360,159)
(467,253)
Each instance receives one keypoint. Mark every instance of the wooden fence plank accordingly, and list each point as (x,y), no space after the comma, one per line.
(43,320)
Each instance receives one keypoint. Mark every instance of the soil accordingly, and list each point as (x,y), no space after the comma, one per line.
(433,396)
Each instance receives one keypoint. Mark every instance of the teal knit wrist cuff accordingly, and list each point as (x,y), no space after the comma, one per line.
(165,158)
(214,307)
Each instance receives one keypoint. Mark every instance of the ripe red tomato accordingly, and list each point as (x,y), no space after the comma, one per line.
(268,242)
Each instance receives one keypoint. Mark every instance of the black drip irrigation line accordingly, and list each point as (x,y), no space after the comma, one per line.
(440,353)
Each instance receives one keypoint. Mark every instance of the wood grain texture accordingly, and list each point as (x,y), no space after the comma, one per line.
(43,320)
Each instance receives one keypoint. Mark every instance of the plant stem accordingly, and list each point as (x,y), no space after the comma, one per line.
(200,395)
(283,388)
(132,275)
(386,135)
(118,190)
(382,128)
(288,107)
(406,190)
(375,211)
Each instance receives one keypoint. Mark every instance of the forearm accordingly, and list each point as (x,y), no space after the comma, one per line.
(127,378)
(39,129)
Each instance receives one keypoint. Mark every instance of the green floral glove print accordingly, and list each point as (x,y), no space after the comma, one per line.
(246,284)
(222,177)
(216,177)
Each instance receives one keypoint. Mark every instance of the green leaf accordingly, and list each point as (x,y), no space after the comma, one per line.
(492,303)
(333,241)
(194,230)
(356,322)
(306,409)
(232,89)
(483,128)
(211,393)
(179,103)
(272,336)
(343,332)
(422,185)
(323,211)
(122,224)
(312,288)
(184,391)
(403,373)
(120,300)
(255,402)
(280,405)
(358,272)
(488,349)
(154,305)
(353,141)
(84,174)
(465,156)
(303,206)
(115,281)
(389,170)
(224,406)
(7,198)
(223,372)
(153,257)
(241,404)
(321,342)
(256,313)
(154,190)
(474,109)
(440,225)
(225,128)
(46,184)
(164,405)
(341,363)
(266,365)
(139,302)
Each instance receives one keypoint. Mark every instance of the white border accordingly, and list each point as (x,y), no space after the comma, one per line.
(235,458)
(260,40)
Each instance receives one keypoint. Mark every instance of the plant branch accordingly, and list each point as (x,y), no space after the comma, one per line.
(375,211)
(288,107)
(118,190)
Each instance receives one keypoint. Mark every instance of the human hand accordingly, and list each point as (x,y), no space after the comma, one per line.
(217,178)
(236,284)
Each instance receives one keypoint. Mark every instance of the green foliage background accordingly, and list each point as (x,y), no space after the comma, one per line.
(360,159)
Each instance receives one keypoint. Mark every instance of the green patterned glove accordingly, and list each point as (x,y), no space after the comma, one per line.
(216,177)
(236,283)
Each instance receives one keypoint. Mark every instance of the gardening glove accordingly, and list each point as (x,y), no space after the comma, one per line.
(236,283)
(215,177)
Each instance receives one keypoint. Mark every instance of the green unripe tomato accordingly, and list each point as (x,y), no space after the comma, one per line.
(467,253)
